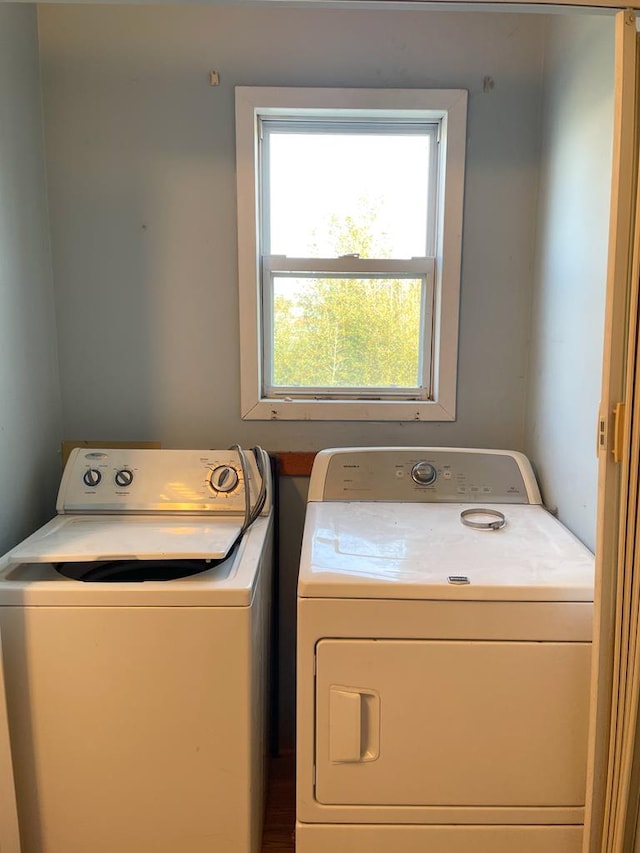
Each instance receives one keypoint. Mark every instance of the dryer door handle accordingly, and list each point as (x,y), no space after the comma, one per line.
(354,725)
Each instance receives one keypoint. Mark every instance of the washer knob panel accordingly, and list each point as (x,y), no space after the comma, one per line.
(152,480)
(91,477)
(123,477)
(224,479)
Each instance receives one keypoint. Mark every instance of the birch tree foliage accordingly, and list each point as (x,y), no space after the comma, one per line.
(348,332)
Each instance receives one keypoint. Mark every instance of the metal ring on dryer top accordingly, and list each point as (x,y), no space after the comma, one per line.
(465,518)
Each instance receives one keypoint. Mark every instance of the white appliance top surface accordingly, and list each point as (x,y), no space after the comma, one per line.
(80,538)
(409,550)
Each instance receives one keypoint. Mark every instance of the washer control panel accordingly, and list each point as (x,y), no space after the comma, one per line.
(423,474)
(189,481)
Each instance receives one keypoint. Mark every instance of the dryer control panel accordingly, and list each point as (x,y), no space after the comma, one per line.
(423,475)
(135,480)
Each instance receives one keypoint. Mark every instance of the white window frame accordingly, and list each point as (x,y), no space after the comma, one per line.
(442,272)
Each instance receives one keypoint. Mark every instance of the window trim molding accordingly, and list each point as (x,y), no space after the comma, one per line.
(449,106)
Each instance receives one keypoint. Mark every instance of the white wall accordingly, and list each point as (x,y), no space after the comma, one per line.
(140,155)
(570,267)
(30,428)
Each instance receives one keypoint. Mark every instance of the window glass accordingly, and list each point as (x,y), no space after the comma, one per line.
(347,333)
(348,192)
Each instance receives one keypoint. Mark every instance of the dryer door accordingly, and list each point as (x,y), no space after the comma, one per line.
(451,723)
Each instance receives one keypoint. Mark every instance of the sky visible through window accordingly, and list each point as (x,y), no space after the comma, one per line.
(319,180)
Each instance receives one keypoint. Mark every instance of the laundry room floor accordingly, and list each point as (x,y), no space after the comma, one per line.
(280,817)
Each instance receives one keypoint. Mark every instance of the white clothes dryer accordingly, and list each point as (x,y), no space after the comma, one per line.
(135,637)
(444,647)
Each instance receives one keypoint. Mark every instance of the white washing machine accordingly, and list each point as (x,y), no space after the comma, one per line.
(444,645)
(135,638)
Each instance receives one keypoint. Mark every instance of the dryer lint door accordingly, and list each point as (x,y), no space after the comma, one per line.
(404,722)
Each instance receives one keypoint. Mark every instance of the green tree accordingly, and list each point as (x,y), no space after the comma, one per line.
(348,332)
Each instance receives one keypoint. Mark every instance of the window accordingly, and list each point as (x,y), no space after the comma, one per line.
(349,239)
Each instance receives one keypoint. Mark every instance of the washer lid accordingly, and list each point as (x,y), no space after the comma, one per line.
(410,551)
(80,538)
(229,583)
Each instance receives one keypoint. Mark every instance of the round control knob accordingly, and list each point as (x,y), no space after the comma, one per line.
(91,477)
(424,474)
(123,477)
(224,478)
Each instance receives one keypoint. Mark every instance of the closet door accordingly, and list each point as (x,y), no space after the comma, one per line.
(9,837)
(613,792)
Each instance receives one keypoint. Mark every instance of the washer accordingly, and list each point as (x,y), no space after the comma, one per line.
(443,661)
(135,637)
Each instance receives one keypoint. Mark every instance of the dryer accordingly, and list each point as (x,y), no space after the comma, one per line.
(135,637)
(443,662)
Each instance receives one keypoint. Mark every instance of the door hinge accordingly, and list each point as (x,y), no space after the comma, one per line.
(602,435)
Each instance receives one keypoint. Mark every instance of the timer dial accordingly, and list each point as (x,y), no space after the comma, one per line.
(91,477)
(123,477)
(424,474)
(224,479)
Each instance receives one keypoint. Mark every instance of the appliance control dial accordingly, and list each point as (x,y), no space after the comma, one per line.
(91,477)
(424,474)
(224,478)
(123,477)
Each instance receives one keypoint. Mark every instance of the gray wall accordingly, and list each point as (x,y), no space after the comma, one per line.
(30,429)
(140,158)
(140,155)
(141,161)
(570,267)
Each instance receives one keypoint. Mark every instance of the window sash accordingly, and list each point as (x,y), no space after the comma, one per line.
(351,267)
(351,125)
(348,265)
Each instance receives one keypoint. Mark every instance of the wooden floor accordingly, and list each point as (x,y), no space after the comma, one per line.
(281,810)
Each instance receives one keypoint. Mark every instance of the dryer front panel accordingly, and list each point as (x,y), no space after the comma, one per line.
(451,723)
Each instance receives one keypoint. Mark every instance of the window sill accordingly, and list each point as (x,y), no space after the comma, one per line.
(347,410)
